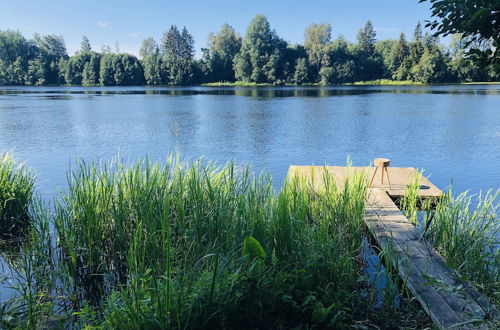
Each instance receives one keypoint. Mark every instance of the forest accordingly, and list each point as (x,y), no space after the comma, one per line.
(259,57)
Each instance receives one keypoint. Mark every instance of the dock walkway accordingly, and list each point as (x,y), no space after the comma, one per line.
(450,302)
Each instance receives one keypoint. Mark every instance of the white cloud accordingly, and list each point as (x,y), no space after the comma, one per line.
(134,35)
(102,24)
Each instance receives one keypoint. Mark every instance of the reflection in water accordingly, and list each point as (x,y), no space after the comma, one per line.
(58,93)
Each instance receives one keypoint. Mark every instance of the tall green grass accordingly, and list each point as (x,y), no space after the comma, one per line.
(16,192)
(163,246)
(388,82)
(466,230)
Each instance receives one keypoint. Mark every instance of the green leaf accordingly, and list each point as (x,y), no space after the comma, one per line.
(252,248)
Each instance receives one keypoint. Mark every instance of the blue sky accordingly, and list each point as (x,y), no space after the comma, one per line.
(128,22)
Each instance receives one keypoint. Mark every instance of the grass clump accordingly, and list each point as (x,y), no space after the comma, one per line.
(194,246)
(465,229)
(16,191)
(236,84)
(387,82)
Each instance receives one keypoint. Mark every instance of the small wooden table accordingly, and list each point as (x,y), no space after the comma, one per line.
(383,163)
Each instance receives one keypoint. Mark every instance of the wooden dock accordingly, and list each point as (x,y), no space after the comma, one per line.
(450,302)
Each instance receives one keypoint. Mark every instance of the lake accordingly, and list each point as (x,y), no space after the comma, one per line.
(453,132)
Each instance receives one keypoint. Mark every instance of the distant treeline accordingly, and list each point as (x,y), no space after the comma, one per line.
(261,56)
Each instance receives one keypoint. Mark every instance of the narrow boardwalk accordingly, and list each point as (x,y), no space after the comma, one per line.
(450,302)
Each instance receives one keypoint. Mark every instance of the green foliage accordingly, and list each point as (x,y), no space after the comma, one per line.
(120,69)
(149,47)
(478,21)
(465,230)
(260,59)
(154,70)
(366,40)
(85,45)
(219,54)
(16,193)
(301,74)
(160,246)
(317,44)
(178,51)
(90,74)
(252,248)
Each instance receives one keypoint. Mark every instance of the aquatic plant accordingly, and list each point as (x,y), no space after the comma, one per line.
(193,245)
(465,229)
(16,191)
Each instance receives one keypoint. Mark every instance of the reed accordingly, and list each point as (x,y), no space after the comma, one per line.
(193,245)
(162,246)
(16,191)
(466,230)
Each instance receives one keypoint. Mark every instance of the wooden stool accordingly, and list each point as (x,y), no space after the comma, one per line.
(383,163)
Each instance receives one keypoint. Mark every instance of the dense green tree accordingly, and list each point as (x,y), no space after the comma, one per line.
(383,48)
(73,74)
(52,45)
(301,74)
(36,72)
(15,53)
(154,69)
(52,48)
(399,61)
(291,55)
(106,70)
(148,47)
(366,40)
(417,47)
(178,52)
(368,63)
(261,53)
(90,74)
(120,69)
(261,57)
(431,68)
(317,40)
(218,57)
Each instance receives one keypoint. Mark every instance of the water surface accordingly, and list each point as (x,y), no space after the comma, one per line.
(453,132)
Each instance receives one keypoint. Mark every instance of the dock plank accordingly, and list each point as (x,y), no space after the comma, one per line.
(449,301)
(400,178)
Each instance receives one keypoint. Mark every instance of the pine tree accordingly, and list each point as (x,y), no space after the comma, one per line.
(366,40)
(85,45)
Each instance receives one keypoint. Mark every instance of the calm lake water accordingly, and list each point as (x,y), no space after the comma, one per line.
(453,132)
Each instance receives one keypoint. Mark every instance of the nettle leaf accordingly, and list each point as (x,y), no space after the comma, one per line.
(252,248)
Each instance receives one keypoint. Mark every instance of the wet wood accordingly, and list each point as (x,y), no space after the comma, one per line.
(450,302)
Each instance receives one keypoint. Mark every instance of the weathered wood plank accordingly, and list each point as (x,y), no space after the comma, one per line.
(449,301)
(438,288)
(400,178)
